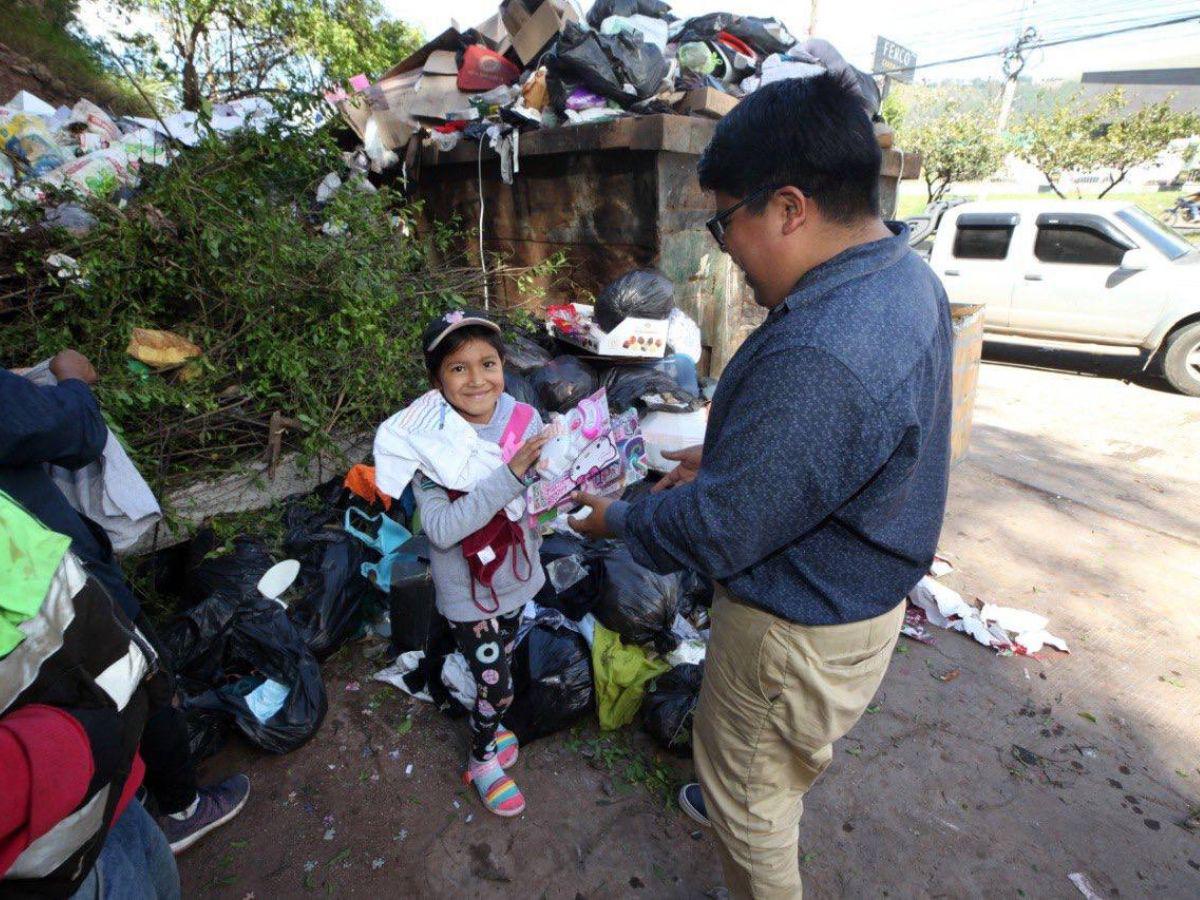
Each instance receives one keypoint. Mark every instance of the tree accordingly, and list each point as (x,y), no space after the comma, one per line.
(1072,139)
(954,146)
(226,49)
(1139,138)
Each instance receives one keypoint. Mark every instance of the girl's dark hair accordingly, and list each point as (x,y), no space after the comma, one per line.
(456,339)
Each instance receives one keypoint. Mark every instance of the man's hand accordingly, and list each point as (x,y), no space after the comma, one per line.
(594,525)
(73,364)
(685,472)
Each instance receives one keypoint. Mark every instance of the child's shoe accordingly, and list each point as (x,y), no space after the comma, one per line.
(506,748)
(499,793)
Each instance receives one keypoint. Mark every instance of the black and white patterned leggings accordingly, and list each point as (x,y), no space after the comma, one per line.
(488,647)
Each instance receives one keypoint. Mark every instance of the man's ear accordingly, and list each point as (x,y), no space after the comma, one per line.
(795,208)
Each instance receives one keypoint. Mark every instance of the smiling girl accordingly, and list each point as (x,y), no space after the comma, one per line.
(484,554)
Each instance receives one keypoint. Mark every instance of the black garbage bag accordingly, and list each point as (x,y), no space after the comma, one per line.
(236,572)
(765,36)
(412,611)
(562,383)
(605,64)
(572,585)
(559,544)
(578,57)
(524,355)
(522,391)
(670,705)
(331,594)
(629,386)
(640,63)
(207,733)
(636,603)
(695,589)
(552,678)
(226,646)
(602,9)
(642,293)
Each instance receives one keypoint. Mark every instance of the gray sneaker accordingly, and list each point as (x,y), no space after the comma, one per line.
(691,801)
(217,804)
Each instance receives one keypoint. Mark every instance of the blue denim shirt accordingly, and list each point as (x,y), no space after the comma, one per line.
(823,484)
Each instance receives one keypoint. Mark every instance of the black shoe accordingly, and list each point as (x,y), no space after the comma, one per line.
(691,801)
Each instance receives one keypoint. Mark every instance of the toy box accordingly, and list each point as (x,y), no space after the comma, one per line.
(591,451)
(632,339)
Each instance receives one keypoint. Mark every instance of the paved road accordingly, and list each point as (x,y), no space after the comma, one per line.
(1065,422)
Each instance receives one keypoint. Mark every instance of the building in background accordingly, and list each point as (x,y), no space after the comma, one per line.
(1176,79)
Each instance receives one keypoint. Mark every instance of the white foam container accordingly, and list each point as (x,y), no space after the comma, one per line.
(668,431)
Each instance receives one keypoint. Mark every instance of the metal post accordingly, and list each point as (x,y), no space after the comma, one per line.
(812,18)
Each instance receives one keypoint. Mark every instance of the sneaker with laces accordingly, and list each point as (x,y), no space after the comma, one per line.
(691,801)
(216,805)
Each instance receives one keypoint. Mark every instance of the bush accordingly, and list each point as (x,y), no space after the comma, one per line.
(225,246)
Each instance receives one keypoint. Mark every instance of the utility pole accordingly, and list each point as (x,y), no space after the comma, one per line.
(1014,64)
(812,17)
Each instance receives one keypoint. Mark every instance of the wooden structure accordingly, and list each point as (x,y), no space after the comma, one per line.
(612,196)
(967,319)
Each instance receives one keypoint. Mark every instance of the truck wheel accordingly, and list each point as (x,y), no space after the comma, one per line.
(1181,361)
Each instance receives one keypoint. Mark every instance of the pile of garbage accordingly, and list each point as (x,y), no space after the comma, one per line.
(84,149)
(543,64)
(247,649)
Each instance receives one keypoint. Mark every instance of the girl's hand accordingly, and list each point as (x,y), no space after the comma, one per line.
(528,454)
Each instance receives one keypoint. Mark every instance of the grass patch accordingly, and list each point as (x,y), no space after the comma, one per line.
(69,58)
(628,766)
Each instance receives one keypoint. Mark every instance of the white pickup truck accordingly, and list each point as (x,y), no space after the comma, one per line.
(1096,272)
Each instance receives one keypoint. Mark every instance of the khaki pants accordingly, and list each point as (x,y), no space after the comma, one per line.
(775,697)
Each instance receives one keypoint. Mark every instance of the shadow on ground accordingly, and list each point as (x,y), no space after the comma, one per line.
(1117,366)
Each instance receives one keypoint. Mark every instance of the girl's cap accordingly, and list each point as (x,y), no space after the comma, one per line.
(452,321)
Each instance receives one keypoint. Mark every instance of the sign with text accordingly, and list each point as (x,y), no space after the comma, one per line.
(893,60)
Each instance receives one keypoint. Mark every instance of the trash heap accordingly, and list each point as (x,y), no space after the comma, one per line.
(543,64)
(84,149)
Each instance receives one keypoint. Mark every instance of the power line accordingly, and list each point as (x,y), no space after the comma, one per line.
(1040,44)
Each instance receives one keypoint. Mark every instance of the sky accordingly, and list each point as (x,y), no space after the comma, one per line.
(935,29)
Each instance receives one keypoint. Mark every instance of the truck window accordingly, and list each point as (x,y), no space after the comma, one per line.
(1076,245)
(982,241)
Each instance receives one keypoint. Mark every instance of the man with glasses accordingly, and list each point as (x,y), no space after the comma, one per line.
(817,498)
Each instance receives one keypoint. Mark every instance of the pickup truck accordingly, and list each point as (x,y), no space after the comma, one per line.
(1096,272)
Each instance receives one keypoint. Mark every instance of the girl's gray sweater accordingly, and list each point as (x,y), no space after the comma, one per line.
(447,523)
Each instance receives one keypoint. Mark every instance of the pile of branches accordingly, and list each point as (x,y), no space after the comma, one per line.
(307,313)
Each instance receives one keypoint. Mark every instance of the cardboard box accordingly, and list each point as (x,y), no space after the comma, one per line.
(494,34)
(450,39)
(632,339)
(441,62)
(386,104)
(707,102)
(436,96)
(530,32)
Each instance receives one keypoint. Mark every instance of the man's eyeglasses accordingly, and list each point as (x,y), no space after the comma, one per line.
(716,225)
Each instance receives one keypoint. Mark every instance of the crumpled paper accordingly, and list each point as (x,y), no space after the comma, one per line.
(1002,628)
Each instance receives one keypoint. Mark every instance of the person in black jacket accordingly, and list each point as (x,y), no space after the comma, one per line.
(63,426)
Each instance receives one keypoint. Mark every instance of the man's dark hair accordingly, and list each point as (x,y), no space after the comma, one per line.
(455,339)
(810,133)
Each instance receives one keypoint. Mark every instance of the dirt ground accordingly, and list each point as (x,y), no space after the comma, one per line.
(1080,501)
